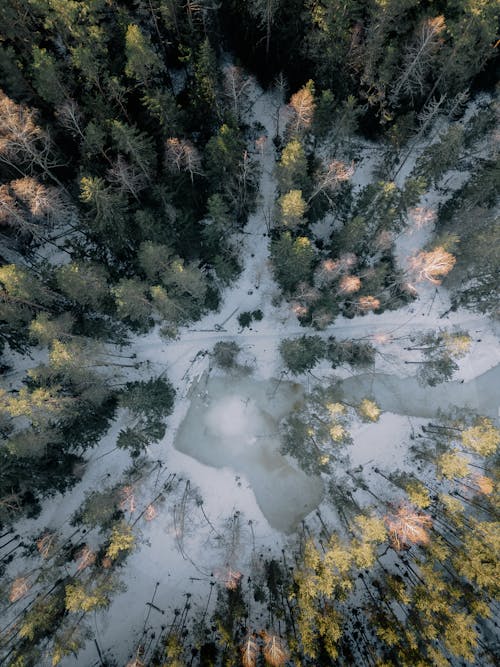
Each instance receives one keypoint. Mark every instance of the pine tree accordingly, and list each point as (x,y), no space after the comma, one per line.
(230,171)
(217,224)
(452,464)
(137,145)
(332,41)
(122,541)
(85,283)
(43,329)
(292,209)
(292,167)
(482,437)
(142,62)
(292,260)
(441,349)
(48,78)
(153,398)
(107,210)
(478,563)
(90,595)
(41,619)
(131,301)
(68,640)
(301,354)
(441,156)
(205,89)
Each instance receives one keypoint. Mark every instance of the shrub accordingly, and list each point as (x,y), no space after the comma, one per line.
(245,319)
(225,353)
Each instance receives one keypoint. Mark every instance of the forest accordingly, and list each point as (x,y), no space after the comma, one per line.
(249,322)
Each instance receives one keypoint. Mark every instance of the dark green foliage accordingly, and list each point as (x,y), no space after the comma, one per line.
(100,509)
(230,171)
(245,319)
(440,350)
(136,439)
(302,354)
(440,369)
(204,91)
(148,403)
(474,279)
(217,224)
(323,116)
(350,352)
(442,155)
(41,620)
(230,610)
(292,260)
(46,458)
(153,398)
(225,353)
(317,432)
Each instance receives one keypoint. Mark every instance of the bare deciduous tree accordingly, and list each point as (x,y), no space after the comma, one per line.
(71,118)
(366,303)
(302,108)
(329,180)
(181,155)
(432,265)
(418,59)
(265,11)
(349,284)
(30,207)
(23,143)
(330,269)
(128,178)
(236,87)
(275,650)
(19,589)
(421,216)
(408,526)
(86,557)
(249,651)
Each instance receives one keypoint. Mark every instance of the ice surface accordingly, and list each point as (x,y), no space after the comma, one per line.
(405,396)
(234,422)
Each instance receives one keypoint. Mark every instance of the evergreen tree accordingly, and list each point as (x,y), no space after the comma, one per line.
(131,301)
(292,260)
(142,62)
(302,354)
(292,209)
(292,167)
(85,283)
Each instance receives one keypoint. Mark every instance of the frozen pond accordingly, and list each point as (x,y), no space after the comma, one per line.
(233,422)
(405,396)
